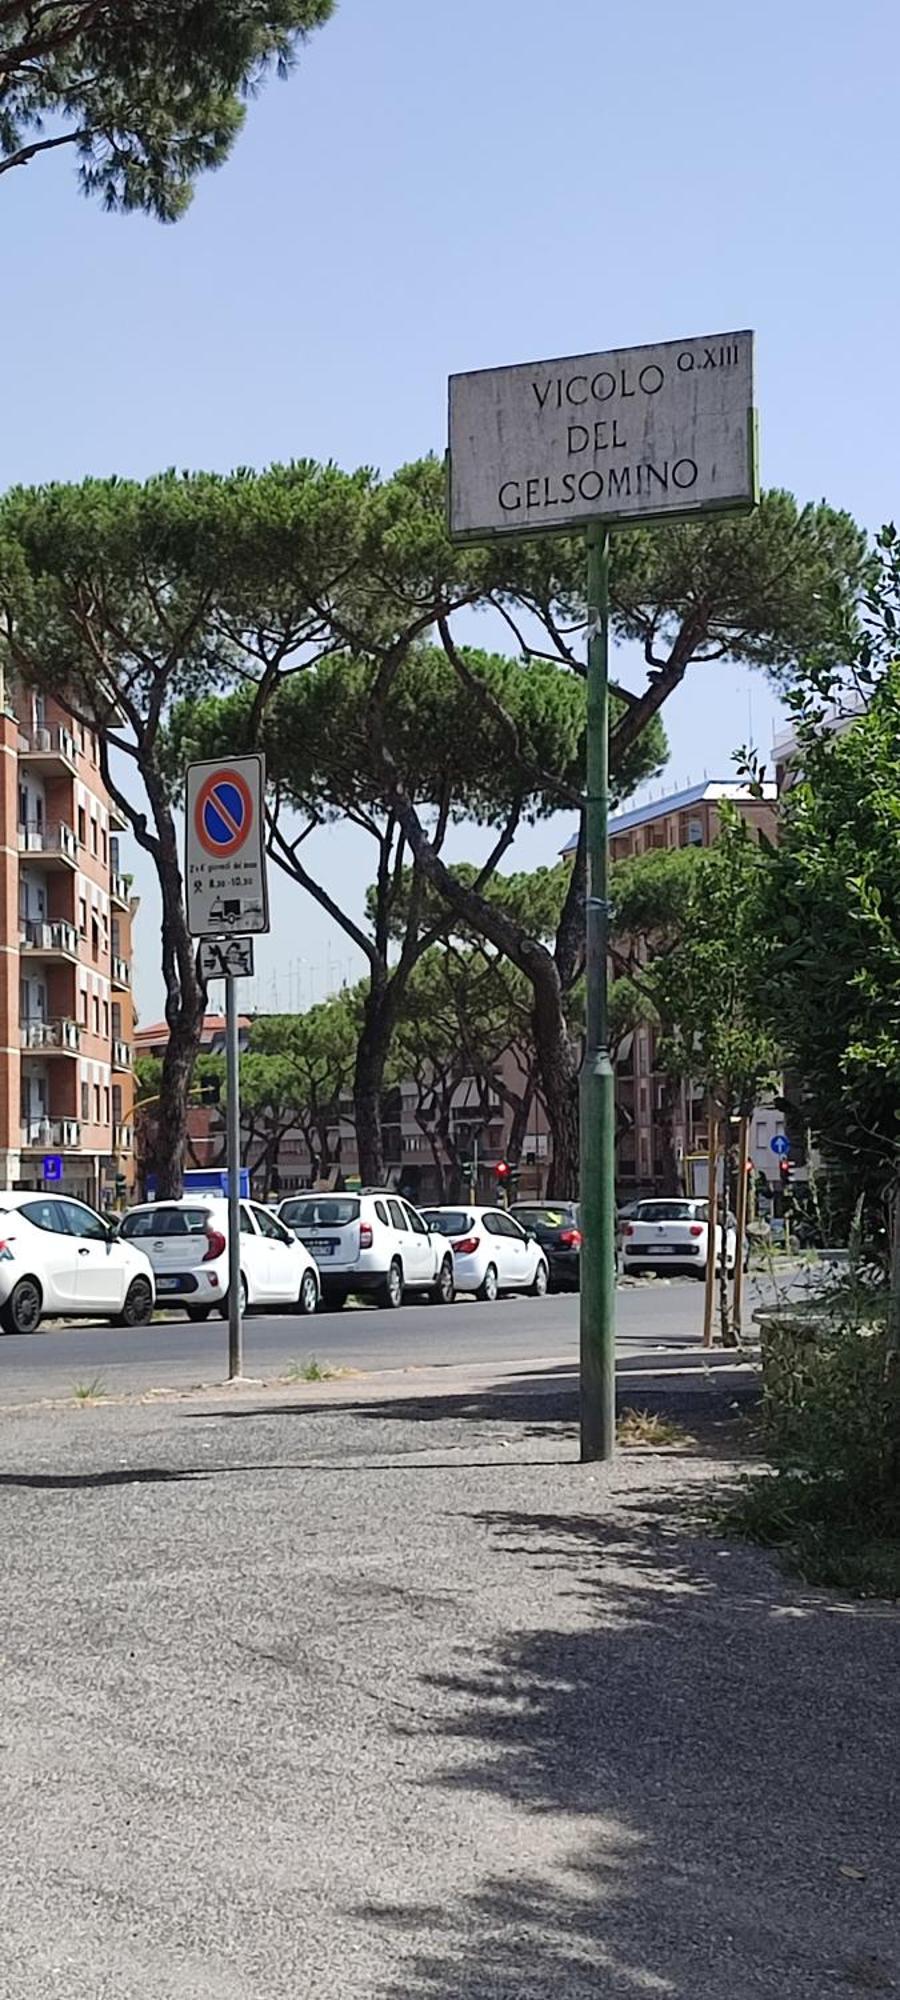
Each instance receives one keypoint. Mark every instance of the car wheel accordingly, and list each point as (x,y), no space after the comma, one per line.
(309,1293)
(21,1312)
(196,1313)
(391,1292)
(539,1285)
(138,1307)
(445,1290)
(223,1308)
(489,1288)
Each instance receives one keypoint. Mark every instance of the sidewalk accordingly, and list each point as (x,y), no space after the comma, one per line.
(344,1695)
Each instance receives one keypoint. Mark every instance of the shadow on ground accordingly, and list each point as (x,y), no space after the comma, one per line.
(712,1754)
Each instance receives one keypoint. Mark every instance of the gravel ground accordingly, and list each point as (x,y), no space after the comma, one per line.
(384,1701)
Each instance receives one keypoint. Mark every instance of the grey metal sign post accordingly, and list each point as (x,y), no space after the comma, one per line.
(227,893)
(661,433)
(233,1154)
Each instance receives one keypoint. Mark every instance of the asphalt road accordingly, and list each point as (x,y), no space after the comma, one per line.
(174,1353)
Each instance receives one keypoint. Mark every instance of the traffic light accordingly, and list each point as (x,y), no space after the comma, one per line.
(785,1175)
(502,1172)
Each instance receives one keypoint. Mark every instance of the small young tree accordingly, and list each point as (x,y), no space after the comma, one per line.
(705,991)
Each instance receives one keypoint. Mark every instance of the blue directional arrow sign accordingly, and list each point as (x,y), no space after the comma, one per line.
(781,1145)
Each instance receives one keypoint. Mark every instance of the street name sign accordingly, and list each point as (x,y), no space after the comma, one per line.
(225,854)
(639,433)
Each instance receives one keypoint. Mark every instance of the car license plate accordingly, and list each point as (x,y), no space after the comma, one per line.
(167,1284)
(321,1246)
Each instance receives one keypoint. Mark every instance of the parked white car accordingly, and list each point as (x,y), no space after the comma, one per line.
(187,1244)
(492,1253)
(674,1234)
(58,1256)
(373,1243)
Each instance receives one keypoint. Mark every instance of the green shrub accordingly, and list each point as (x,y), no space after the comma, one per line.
(831,1423)
(826,1409)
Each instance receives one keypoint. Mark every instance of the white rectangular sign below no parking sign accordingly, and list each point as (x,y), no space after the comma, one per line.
(225,851)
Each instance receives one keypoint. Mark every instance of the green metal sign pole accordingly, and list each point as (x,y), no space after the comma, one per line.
(598,1253)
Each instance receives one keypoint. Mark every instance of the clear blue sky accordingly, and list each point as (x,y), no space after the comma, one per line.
(448,186)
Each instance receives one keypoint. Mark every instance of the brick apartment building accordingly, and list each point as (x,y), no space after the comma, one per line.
(66,912)
(691,818)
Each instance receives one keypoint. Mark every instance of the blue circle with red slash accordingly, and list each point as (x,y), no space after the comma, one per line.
(223,814)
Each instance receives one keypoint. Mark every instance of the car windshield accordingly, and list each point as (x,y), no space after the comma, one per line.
(553,1215)
(448,1221)
(319,1211)
(670,1211)
(165,1222)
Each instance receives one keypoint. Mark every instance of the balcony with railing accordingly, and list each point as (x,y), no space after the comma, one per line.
(55,844)
(120,888)
(121,1054)
(38,1135)
(123,1138)
(121,972)
(56,939)
(62,1037)
(49,749)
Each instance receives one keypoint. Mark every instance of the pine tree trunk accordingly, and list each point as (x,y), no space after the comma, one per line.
(171,1124)
(558,1069)
(672,1178)
(185,1003)
(372,1052)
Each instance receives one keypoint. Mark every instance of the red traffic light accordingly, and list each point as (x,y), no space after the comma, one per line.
(502,1170)
(785,1169)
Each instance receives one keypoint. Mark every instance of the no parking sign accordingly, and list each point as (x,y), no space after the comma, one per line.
(225,856)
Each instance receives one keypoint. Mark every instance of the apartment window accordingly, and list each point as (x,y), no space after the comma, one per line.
(82,916)
(23,805)
(39,711)
(93,836)
(104,920)
(117,1103)
(96,1015)
(106,1104)
(103,844)
(85,1101)
(96,1104)
(106,1019)
(82,826)
(84,1007)
(116,1021)
(116,940)
(95,937)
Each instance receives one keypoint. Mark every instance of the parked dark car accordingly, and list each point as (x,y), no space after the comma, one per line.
(557,1228)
